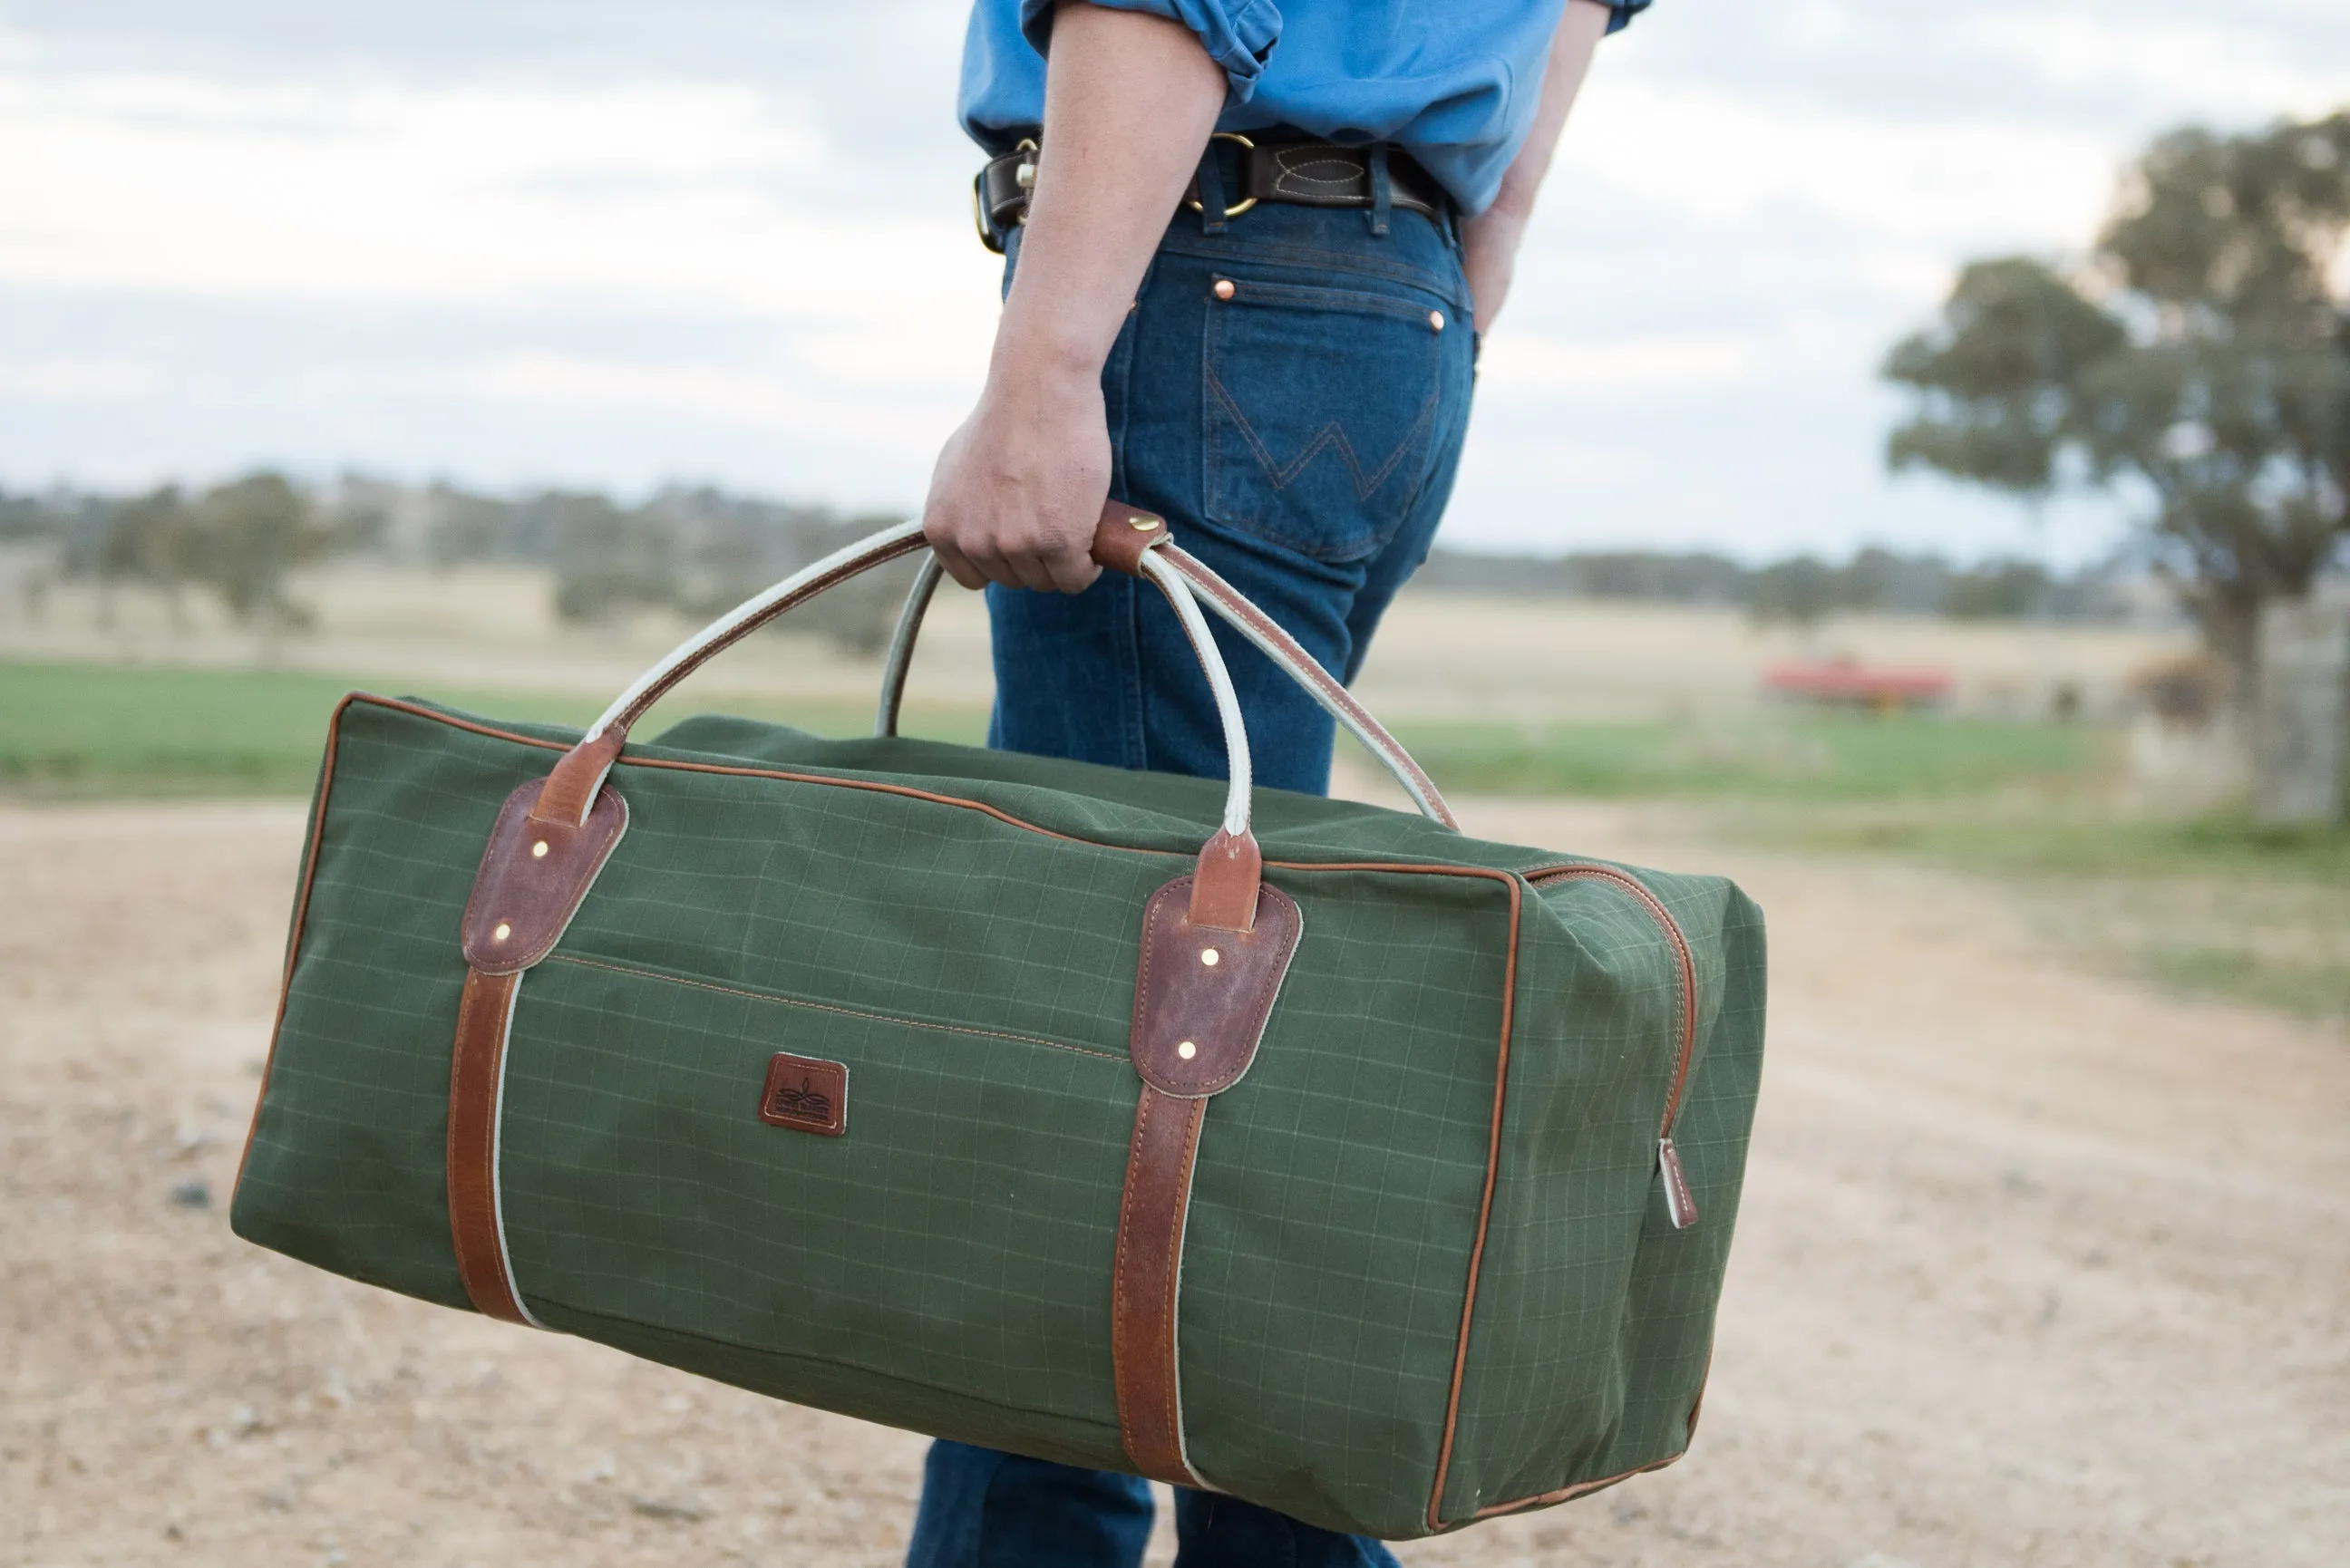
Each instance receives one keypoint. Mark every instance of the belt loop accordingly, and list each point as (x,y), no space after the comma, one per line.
(1210,183)
(1382,188)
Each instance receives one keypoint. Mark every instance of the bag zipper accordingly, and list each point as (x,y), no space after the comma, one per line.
(1681,1205)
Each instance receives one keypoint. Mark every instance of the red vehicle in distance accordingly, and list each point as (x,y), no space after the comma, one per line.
(1848,683)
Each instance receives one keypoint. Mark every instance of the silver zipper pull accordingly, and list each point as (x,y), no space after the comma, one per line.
(1679,1206)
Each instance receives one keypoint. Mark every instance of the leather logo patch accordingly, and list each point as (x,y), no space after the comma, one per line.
(806,1094)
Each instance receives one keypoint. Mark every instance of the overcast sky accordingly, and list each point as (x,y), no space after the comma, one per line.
(589,242)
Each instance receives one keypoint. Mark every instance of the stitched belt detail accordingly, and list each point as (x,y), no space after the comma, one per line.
(1301,173)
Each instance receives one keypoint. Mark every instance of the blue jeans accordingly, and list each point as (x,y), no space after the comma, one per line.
(1299,432)
(1300,437)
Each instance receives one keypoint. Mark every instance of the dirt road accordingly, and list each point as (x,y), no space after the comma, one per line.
(2034,1269)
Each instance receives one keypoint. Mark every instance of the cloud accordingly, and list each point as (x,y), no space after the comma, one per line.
(804,407)
(1526,363)
(79,380)
(1723,158)
(2213,66)
(678,195)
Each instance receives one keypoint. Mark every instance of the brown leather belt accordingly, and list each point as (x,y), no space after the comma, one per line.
(1303,173)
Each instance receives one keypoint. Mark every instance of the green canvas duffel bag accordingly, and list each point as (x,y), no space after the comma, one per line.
(1347,1164)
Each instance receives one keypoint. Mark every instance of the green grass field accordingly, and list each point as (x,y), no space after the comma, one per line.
(2213,906)
(1792,757)
(95,730)
(117,729)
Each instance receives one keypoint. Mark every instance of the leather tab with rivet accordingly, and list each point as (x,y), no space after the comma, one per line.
(1123,534)
(534,876)
(1202,994)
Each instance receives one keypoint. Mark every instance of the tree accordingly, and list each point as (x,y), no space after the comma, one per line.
(249,535)
(150,539)
(2203,358)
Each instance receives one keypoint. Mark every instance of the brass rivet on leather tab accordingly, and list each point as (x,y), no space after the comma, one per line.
(1211,957)
(538,850)
(1223,289)
(1436,320)
(502,933)
(1143,525)
(1187,1050)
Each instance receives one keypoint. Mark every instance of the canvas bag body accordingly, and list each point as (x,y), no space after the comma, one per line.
(1428,1273)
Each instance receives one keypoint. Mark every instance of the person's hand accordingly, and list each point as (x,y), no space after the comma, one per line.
(1019,487)
(1489,256)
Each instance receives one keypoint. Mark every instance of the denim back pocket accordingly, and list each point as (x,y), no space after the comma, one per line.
(1322,409)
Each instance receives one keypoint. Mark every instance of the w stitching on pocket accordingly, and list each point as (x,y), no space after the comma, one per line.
(1320,408)
(1331,434)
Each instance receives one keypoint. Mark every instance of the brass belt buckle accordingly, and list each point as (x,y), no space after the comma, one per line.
(1246,201)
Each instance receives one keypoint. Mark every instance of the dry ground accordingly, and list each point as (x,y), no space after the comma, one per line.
(2034,1269)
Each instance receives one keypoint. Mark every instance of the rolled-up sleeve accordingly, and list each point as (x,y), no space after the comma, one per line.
(1239,35)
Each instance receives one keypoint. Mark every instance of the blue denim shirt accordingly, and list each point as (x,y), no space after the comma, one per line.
(1455,82)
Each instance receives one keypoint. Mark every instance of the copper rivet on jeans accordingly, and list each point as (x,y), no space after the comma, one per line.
(538,850)
(1436,319)
(1223,288)
(1209,957)
(1187,1050)
(502,933)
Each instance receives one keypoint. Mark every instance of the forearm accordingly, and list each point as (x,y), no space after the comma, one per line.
(1129,100)
(1491,238)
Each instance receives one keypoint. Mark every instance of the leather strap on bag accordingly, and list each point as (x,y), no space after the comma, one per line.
(1152,1215)
(1203,995)
(534,873)
(477,1075)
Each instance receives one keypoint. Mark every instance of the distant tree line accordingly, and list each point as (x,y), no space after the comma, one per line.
(695,551)
(1800,590)
(699,552)
(237,540)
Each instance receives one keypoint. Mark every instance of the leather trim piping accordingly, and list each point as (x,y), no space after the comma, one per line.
(1514,880)
(1579,1489)
(1676,938)
(1687,1012)
(294,934)
(1484,1207)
